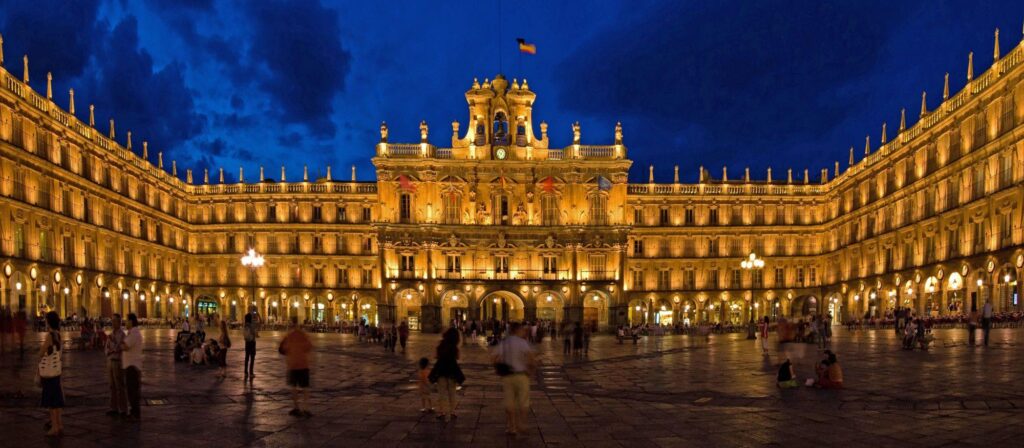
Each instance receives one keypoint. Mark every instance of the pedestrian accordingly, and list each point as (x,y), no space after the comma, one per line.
(131,359)
(972,324)
(447,374)
(986,320)
(225,343)
(249,334)
(403,334)
(514,362)
(50,371)
(764,335)
(20,327)
(567,339)
(423,384)
(115,369)
(296,347)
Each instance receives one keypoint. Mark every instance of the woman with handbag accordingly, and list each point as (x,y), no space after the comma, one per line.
(447,373)
(50,369)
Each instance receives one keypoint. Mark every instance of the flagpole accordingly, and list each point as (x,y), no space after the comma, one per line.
(499,39)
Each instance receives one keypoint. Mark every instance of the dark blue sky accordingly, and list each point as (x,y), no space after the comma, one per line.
(745,83)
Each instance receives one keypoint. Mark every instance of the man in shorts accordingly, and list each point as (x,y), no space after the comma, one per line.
(296,348)
(517,353)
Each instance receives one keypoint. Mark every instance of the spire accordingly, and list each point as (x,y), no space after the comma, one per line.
(221,175)
(903,119)
(995,49)
(970,66)
(206,176)
(618,133)
(188,176)
(851,155)
(145,150)
(92,115)
(824,176)
(746,174)
(650,174)
(945,88)
(328,173)
(129,140)
(261,173)
(789,175)
(71,101)
(700,174)
(241,175)
(675,175)
(49,85)
(1,49)
(383,132)
(305,173)
(885,138)
(174,168)
(282,173)
(353,173)
(924,103)
(112,134)
(424,130)
(769,174)
(725,174)
(837,168)
(160,160)
(807,176)
(24,76)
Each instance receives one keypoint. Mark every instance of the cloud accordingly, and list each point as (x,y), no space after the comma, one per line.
(58,36)
(302,62)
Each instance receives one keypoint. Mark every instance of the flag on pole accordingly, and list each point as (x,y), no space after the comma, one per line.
(526,47)
(603,183)
(548,184)
(405,184)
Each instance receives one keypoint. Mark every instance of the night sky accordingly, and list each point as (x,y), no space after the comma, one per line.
(745,83)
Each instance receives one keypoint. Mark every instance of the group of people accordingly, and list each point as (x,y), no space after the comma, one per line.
(828,374)
(13,325)
(390,336)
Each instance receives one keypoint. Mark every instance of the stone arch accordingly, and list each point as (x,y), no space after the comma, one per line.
(18,292)
(805,305)
(409,307)
(454,307)
(596,305)
(502,305)
(367,308)
(550,306)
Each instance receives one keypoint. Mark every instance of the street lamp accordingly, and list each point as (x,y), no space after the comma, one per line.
(253,261)
(753,264)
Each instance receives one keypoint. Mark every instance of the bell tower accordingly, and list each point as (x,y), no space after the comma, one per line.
(500,121)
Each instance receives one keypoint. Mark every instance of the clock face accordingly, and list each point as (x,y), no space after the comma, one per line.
(501,153)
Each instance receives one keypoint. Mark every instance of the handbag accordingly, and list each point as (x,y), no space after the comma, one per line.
(501,367)
(50,366)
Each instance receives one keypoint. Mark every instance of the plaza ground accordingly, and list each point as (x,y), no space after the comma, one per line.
(668,391)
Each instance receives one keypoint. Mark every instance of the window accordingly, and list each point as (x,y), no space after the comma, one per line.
(813,276)
(713,279)
(342,276)
(597,266)
(550,264)
(979,237)
(500,210)
(638,280)
(780,277)
(713,217)
(979,181)
(366,214)
(454,264)
(19,240)
(318,244)
(342,214)
(663,217)
(599,210)
(689,217)
(549,207)
(501,264)
(367,276)
(712,247)
(757,278)
(736,279)
(408,263)
(888,259)
(638,247)
(1006,229)
(800,276)
(230,243)
(638,216)
(689,279)
(452,208)
(664,279)
(318,276)
(405,208)
(368,245)
(318,213)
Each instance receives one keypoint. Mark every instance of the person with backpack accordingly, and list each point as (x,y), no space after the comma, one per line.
(447,374)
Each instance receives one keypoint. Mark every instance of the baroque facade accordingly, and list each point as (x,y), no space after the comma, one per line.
(499,224)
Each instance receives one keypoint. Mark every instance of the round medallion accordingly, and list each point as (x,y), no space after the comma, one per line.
(917,278)
(1020,261)
(991,266)
(8,270)
(964,270)
(501,153)
(899,280)
(940,274)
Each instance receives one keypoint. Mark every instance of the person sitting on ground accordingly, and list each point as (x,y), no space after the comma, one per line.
(830,373)
(786,378)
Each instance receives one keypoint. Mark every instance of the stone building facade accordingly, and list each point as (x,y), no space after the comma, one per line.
(499,224)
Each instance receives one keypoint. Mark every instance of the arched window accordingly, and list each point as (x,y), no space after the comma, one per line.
(452,208)
(599,210)
(549,209)
(500,129)
(500,211)
(481,135)
(405,208)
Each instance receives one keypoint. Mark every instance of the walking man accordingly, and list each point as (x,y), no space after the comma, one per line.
(250,335)
(115,372)
(131,358)
(403,334)
(517,354)
(296,347)
(986,320)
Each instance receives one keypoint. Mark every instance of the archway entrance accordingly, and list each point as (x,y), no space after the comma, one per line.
(408,303)
(206,305)
(595,310)
(454,307)
(804,306)
(550,306)
(954,293)
(502,305)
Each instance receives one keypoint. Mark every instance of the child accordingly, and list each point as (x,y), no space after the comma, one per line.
(423,381)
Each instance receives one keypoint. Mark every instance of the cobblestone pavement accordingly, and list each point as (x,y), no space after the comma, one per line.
(667,391)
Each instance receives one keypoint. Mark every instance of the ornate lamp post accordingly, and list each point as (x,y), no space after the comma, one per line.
(753,264)
(253,261)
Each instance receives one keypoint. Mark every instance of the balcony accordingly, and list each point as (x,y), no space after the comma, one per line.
(513,274)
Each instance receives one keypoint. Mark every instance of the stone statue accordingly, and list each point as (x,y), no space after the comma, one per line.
(423,131)
(618,133)
(576,133)
(383,132)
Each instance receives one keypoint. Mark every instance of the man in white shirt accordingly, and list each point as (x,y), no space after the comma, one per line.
(517,354)
(986,320)
(131,359)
